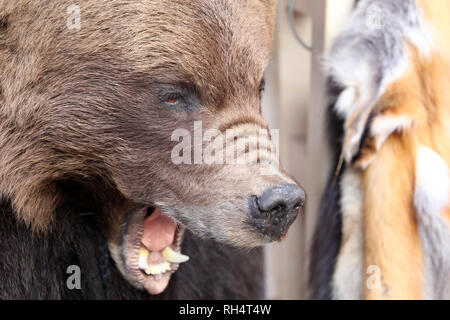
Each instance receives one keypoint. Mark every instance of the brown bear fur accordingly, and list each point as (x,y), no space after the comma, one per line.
(83,138)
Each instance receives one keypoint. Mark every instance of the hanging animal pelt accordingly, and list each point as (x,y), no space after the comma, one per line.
(383,231)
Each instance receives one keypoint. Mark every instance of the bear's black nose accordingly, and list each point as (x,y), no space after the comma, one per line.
(275,209)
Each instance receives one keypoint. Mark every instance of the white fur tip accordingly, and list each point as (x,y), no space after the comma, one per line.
(346,100)
(432,181)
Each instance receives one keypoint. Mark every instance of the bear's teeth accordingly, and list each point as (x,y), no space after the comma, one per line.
(143,258)
(173,256)
(168,253)
(158,268)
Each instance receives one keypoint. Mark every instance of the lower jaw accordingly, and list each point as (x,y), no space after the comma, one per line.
(153,283)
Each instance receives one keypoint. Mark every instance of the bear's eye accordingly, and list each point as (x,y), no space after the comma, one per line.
(178,97)
(172,98)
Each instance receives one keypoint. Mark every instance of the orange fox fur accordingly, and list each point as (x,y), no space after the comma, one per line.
(388,167)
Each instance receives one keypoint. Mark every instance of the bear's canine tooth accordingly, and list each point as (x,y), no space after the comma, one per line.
(143,258)
(174,257)
(158,268)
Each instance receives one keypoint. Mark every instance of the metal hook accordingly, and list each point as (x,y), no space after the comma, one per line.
(291,19)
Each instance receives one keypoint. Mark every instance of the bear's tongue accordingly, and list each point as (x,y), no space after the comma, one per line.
(158,254)
(159,231)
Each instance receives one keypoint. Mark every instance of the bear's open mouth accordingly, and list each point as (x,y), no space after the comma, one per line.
(151,251)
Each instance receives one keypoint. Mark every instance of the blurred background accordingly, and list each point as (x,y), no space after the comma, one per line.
(295,103)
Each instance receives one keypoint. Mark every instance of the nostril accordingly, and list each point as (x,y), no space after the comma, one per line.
(276,209)
(298,205)
(301,202)
(279,207)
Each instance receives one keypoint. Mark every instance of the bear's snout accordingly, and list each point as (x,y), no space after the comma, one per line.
(276,209)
